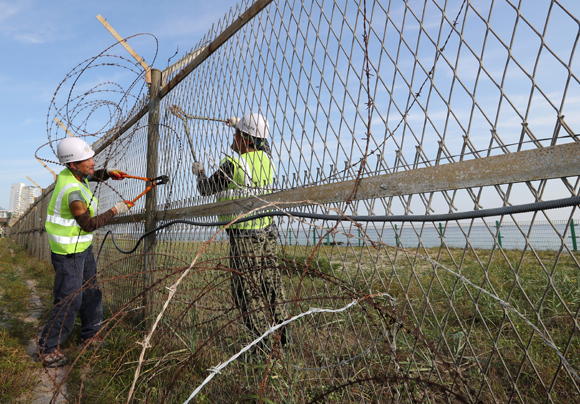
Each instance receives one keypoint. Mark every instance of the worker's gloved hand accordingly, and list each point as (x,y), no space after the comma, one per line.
(197,167)
(116,174)
(123,207)
(232,122)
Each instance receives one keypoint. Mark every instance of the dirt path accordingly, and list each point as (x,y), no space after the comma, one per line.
(50,379)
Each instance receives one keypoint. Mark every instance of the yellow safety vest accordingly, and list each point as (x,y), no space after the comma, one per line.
(253,175)
(64,234)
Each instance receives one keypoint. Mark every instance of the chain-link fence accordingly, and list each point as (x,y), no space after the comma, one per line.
(395,128)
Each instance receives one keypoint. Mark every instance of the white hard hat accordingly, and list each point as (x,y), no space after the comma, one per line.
(72,149)
(254,125)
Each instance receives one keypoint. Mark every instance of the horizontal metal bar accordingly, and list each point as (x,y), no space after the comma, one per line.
(530,165)
(222,38)
(140,114)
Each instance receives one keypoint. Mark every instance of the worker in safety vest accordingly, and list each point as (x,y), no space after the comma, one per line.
(70,222)
(257,284)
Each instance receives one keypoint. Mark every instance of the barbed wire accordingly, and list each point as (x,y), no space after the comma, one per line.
(160,306)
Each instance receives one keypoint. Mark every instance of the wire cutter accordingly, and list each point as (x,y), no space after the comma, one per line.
(162,179)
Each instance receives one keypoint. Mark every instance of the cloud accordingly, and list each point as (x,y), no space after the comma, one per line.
(35,37)
(8,10)
(28,22)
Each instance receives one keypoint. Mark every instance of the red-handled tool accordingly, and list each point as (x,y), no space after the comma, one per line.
(162,179)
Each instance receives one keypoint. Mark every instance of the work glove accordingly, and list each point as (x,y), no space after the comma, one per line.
(232,122)
(116,174)
(197,167)
(123,207)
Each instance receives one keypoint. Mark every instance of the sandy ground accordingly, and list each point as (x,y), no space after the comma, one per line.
(50,380)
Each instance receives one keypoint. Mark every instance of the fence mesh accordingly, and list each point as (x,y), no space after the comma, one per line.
(479,310)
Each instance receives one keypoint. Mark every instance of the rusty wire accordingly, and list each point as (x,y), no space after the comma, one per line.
(432,318)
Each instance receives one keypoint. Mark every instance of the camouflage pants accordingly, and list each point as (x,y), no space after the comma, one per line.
(257,288)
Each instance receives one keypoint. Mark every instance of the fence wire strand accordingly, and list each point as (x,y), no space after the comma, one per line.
(355,93)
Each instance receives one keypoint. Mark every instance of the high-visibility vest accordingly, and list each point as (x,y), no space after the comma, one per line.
(64,234)
(253,175)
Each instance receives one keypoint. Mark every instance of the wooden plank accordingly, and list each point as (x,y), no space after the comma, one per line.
(203,55)
(530,165)
(48,168)
(32,196)
(125,45)
(30,179)
(64,127)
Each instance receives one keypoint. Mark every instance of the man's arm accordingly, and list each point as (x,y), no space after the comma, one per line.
(98,176)
(218,181)
(83,217)
(105,174)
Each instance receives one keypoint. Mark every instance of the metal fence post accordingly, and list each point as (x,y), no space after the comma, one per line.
(314,236)
(573,232)
(441,231)
(396,236)
(498,233)
(151,196)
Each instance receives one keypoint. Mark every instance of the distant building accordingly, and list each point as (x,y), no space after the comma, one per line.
(4,216)
(32,194)
(16,197)
(22,196)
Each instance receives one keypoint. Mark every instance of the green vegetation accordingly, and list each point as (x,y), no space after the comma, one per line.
(18,373)
(442,329)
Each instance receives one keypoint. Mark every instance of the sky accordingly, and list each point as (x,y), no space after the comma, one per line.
(41,41)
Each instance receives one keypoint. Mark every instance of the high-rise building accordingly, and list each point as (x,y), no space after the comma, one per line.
(16,197)
(22,196)
(33,192)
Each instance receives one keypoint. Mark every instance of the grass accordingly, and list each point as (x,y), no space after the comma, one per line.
(437,327)
(458,324)
(18,373)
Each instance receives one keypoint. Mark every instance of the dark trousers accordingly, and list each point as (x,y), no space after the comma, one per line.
(75,291)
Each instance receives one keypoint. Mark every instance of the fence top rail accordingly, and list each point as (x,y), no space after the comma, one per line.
(201,56)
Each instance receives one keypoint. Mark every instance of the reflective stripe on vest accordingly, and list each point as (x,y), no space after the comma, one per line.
(64,234)
(61,221)
(70,240)
(253,176)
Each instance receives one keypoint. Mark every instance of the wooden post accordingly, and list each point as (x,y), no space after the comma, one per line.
(23,200)
(30,179)
(32,196)
(64,127)
(151,196)
(45,166)
(123,42)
